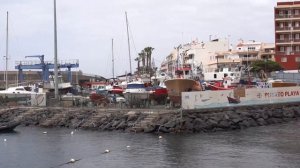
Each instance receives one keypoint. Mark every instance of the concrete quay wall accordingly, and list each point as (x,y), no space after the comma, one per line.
(153,120)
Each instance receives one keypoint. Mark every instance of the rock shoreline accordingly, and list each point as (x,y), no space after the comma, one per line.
(153,120)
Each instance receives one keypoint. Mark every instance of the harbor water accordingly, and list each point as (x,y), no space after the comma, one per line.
(261,147)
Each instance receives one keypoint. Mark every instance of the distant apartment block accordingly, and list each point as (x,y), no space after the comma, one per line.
(287,34)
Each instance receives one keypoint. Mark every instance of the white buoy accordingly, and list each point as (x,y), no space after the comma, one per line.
(106,151)
(4,140)
(45,132)
(72,160)
(160,137)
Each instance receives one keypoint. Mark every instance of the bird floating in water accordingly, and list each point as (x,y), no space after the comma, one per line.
(45,132)
(4,140)
(106,151)
(160,137)
(72,133)
(128,146)
(72,160)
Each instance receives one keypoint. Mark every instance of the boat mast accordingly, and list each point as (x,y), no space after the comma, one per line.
(113,61)
(128,42)
(6,57)
(55,55)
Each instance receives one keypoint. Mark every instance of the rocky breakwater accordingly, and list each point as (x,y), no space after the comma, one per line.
(154,120)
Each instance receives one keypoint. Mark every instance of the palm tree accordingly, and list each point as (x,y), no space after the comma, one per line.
(138,63)
(148,51)
(142,56)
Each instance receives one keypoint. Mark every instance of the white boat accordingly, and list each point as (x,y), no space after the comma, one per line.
(61,83)
(136,92)
(18,94)
(16,90)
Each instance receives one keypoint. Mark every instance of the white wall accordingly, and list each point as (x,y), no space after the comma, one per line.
(253,96)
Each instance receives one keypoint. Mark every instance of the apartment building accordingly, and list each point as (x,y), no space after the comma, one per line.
(287,34)
(244,53)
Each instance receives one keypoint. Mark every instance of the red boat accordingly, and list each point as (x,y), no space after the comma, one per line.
(116,90)
(219,86)
(158,93)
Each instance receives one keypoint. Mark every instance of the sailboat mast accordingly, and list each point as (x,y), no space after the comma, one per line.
(6,57)
(113,61)
(55,55)
(128,42)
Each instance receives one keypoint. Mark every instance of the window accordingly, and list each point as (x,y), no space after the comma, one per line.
(297,48)
(290,24)
(283,59)
(251,48)
(281,25)
(281,49)
(297,36)
(296,11)
(281,37)
(297,59)
(290,36)
(296,24)
(281,13)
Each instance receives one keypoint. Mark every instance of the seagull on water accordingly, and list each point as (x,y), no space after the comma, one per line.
(106,151)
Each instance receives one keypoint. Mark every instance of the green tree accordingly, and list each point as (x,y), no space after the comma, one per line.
(138,62)
(142,56)
(266,65)
(148,51)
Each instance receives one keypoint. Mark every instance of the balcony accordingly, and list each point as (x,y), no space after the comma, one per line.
(282,53)
(287,29)
(287,41)
(287,16)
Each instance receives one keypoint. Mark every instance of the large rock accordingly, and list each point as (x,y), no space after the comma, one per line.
(261,121)
(200,125)
(288,113)
(171,124)
(122,125)
(224,124)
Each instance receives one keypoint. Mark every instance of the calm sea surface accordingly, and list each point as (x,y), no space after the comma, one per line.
(259,147)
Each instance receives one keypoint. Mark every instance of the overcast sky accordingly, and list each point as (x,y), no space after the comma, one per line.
(86,27)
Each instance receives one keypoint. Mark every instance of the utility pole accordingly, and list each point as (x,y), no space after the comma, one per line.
(128,41)
(6,57)
(55,55)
